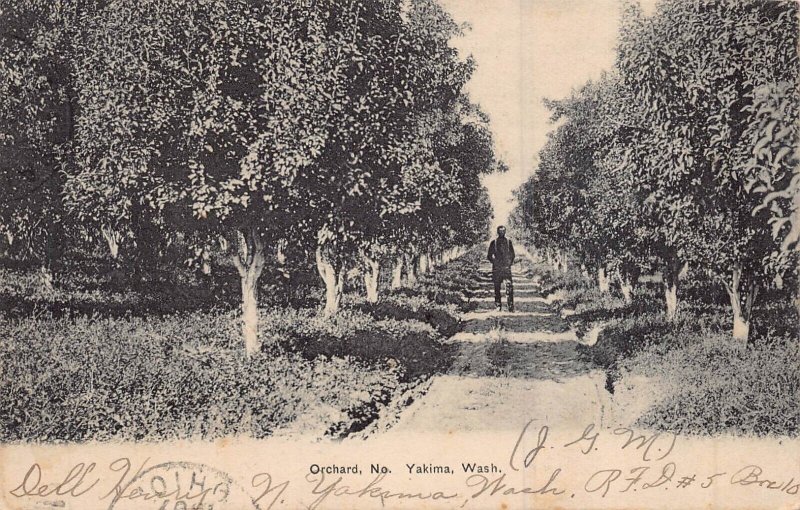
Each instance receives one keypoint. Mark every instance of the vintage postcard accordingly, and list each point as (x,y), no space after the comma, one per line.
(401,254)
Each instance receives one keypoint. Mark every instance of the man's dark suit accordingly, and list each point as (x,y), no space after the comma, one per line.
(501,255)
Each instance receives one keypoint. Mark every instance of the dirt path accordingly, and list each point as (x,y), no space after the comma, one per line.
(511,368)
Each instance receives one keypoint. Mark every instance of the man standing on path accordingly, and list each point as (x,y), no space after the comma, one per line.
(501,255)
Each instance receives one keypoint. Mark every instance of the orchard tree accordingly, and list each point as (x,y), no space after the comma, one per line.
(581,139)
(270,106)
(580,199)
(260,123)
(684,157)
(383,171)
(466,151)
(128,100)
(773,171)
(694,71)
(360,168)
(36,125)
(226,104)
(658,153)
(553,204)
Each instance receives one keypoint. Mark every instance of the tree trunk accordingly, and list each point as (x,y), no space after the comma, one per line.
(280,252)
(628,279)
(205,264)
(112,238)
(684,272)
(602,280)
(423,263)
(797,298)
(453,254)
(563,264)
(250,313)
(671,296)
(741,327)
(249,261)
(670,277)
(742,306)
(411,275)
(46,278)
(626,286)
(397,273)
(333,276)
(371,276)
(285,275)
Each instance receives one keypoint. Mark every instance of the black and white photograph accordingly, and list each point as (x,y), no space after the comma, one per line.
(321,254)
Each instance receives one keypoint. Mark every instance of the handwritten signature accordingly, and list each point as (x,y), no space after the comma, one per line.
(165,485)
(123,484)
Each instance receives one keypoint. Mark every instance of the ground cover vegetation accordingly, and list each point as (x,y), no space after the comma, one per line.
(167,167)
(665,202)
(178,371)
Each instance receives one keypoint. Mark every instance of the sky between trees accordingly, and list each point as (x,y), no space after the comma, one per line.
(528,50)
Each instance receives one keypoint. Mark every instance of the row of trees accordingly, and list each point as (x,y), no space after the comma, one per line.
(685,154)
(340,127)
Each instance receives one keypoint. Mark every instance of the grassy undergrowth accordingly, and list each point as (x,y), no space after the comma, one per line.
(96,360)
(696,377)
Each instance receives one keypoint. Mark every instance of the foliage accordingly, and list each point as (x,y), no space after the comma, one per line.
(624,337)
(705,387)
(107,357)
(36,116)
(443,318)
(695,379)
(66,380)
(773,170)
(678,154)
(204,130)
(691,155)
